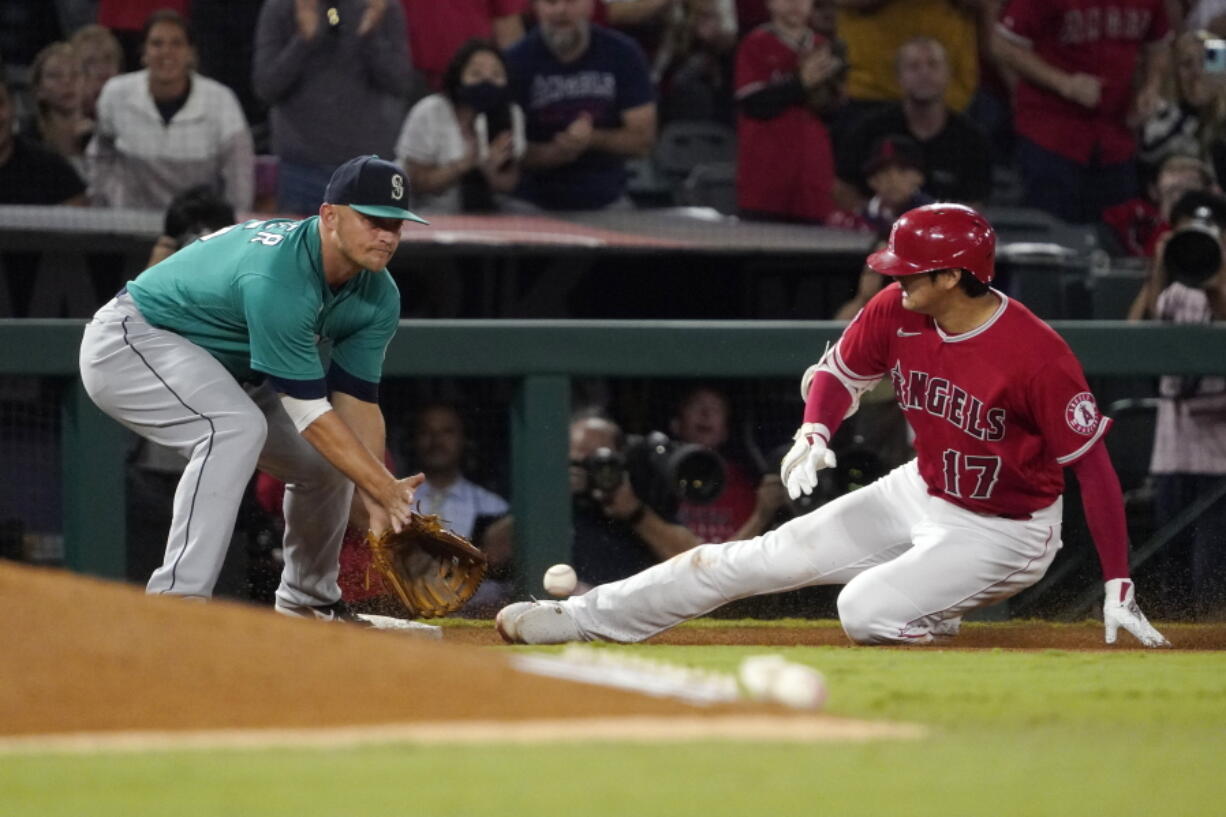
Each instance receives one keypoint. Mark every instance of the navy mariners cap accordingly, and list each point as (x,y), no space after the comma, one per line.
(372,186)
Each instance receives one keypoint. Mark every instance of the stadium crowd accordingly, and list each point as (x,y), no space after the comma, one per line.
(1107,114)
(836,112)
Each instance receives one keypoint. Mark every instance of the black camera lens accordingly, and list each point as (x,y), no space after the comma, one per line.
(1193,254)
(697,473)
(605,470)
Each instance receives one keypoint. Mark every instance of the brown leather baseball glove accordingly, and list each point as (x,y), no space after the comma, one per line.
(433,570)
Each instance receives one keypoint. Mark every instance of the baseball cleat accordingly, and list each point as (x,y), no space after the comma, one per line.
(504,622)
(947,628)
(546,622)
(337,611)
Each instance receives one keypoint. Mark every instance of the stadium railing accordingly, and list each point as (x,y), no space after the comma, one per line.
(541,357)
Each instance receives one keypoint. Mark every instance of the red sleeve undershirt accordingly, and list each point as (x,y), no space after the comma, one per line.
(1103,504)
(1101,498)
(827,402)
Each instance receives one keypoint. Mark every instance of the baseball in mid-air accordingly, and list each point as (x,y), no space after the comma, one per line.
(560,580)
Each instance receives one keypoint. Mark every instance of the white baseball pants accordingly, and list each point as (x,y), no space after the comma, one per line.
(174,393)
(909,560)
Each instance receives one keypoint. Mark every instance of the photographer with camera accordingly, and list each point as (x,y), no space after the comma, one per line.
(620,527)
(1188,285)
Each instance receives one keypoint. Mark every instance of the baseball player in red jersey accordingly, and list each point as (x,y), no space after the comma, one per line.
(999,407)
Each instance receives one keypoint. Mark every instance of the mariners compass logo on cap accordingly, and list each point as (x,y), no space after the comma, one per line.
(372,186)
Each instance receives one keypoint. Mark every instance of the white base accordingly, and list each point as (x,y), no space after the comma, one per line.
(414,628)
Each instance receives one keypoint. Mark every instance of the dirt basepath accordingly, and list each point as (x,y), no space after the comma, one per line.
(83,655)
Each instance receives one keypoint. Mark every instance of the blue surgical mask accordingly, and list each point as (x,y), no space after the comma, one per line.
(482,97)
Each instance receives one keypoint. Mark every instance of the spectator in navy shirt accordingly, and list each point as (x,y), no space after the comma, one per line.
(588,102)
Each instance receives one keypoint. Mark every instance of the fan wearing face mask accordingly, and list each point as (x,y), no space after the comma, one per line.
(462,146)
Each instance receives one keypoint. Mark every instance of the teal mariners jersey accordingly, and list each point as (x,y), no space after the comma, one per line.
(254,296)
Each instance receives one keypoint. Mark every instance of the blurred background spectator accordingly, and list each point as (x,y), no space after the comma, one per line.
(693,65)
(874,30)
(57,120)
(1189,457)
(436,30)
(440,447)
(895,173)
(463,145)
(786,78)
(165,129)
(954,149)
(617,534)
(589,105)
(1084,80)
(101,58)
(30,174)
(750,501)
(335,77)
(1132,228)
(1191,117)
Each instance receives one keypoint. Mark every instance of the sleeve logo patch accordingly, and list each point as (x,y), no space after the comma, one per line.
(1082,414)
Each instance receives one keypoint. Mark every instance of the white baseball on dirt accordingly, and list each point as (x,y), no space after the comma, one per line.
(774,679)
(560,580)
(798,687)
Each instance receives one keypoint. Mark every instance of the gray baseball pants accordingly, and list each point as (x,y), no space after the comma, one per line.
(174,393)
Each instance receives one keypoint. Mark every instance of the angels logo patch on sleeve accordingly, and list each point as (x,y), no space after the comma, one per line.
(1082,415)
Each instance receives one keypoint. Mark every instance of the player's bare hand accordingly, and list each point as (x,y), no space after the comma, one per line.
(395,502)
(808,455)
(375,9)
(1084,89)
(1120,610)
(307,15)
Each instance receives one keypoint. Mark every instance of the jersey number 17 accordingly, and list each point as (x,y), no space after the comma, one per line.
(963,472)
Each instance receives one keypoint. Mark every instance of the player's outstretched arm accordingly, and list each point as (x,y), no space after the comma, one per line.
(340,445)
(1104,509)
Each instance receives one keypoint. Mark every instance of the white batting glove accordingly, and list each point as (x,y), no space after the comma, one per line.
(1120,610)
(808,455)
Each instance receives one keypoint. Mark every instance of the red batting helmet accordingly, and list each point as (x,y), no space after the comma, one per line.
(937,237)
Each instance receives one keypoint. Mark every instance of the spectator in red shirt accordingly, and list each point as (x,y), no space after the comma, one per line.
(1073,107)
(437,28)
(785,164)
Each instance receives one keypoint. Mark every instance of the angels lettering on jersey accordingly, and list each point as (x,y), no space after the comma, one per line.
(942,398)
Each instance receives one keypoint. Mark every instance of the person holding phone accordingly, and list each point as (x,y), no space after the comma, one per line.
(462,146)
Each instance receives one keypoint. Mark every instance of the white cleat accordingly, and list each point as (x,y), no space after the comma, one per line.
(947,628)
(504,622)
(537,622)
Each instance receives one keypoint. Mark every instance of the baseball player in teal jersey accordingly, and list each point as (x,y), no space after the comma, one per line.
(219,353)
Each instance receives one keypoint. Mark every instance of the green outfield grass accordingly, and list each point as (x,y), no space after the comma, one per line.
(1011,733)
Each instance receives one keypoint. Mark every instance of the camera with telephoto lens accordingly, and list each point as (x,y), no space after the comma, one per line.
(662,472)
(1193,253)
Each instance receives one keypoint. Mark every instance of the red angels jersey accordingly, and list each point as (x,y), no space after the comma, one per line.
(1098,37)
(997,412)
(785,165)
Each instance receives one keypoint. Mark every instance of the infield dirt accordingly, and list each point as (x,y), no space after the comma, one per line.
(85,655)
